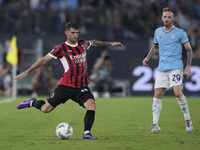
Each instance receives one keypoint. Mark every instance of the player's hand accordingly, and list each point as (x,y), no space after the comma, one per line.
(188,71)
(145,62)
(116,44)
(22,75)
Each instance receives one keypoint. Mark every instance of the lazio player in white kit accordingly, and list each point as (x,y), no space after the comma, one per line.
(168,41)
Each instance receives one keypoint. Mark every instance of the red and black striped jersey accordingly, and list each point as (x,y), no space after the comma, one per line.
(74,62)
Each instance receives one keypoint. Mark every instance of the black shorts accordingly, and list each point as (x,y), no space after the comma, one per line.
(63,93)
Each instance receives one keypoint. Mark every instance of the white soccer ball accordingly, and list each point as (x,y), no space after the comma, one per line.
(64,130)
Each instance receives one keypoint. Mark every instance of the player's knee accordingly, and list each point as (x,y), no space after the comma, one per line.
(158,95)
(159,92)
(93,105)
(90,104)
(45,109)
(178,94)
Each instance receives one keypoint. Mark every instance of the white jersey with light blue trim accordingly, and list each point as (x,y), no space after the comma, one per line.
(170,48)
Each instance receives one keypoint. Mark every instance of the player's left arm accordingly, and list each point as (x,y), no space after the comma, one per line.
(189,59)
(96,43)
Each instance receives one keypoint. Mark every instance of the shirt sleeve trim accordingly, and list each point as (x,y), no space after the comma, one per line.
(52,56)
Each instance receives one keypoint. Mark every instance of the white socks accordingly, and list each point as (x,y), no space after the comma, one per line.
(156,109)
(86,132)
(182,102)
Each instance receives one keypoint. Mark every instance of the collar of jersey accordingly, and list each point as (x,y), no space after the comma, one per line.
(168,31)
(71,45)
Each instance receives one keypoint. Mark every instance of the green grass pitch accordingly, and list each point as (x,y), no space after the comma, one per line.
(120,124)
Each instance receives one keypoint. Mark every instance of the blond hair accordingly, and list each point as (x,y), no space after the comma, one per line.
(168,9)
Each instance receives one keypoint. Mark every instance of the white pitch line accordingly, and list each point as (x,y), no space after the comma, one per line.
(7,100)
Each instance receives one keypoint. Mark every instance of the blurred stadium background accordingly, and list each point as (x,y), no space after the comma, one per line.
(39,27)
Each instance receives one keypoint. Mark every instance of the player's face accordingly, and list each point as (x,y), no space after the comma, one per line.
(72,35)
(168,18)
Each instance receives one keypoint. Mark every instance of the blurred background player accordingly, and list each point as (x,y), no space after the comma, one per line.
(5,82)
(43,78)
(168,41)
(101,75)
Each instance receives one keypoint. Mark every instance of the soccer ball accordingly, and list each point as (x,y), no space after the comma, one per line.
(64,131)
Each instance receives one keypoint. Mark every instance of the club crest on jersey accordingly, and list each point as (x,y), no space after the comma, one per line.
(52,95)
(173,36)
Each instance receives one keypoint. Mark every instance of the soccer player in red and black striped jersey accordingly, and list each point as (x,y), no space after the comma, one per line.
(74,83)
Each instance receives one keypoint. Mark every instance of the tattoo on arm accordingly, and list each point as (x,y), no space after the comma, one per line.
(189,56)
(152,51)
(99,43)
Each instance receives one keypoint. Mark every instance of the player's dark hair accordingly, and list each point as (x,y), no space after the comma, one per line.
(168,9)
(71,24)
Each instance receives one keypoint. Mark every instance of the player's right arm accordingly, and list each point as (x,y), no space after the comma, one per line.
(39,63)
(152,51)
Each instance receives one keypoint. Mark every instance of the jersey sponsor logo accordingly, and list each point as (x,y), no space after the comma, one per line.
(81,57)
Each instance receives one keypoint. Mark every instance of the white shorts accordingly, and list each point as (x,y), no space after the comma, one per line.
(168,79)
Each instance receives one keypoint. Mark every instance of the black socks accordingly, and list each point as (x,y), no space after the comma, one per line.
(89,119)
(38,104)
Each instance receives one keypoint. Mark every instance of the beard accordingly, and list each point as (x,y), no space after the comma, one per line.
(73,40)
(167,24)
